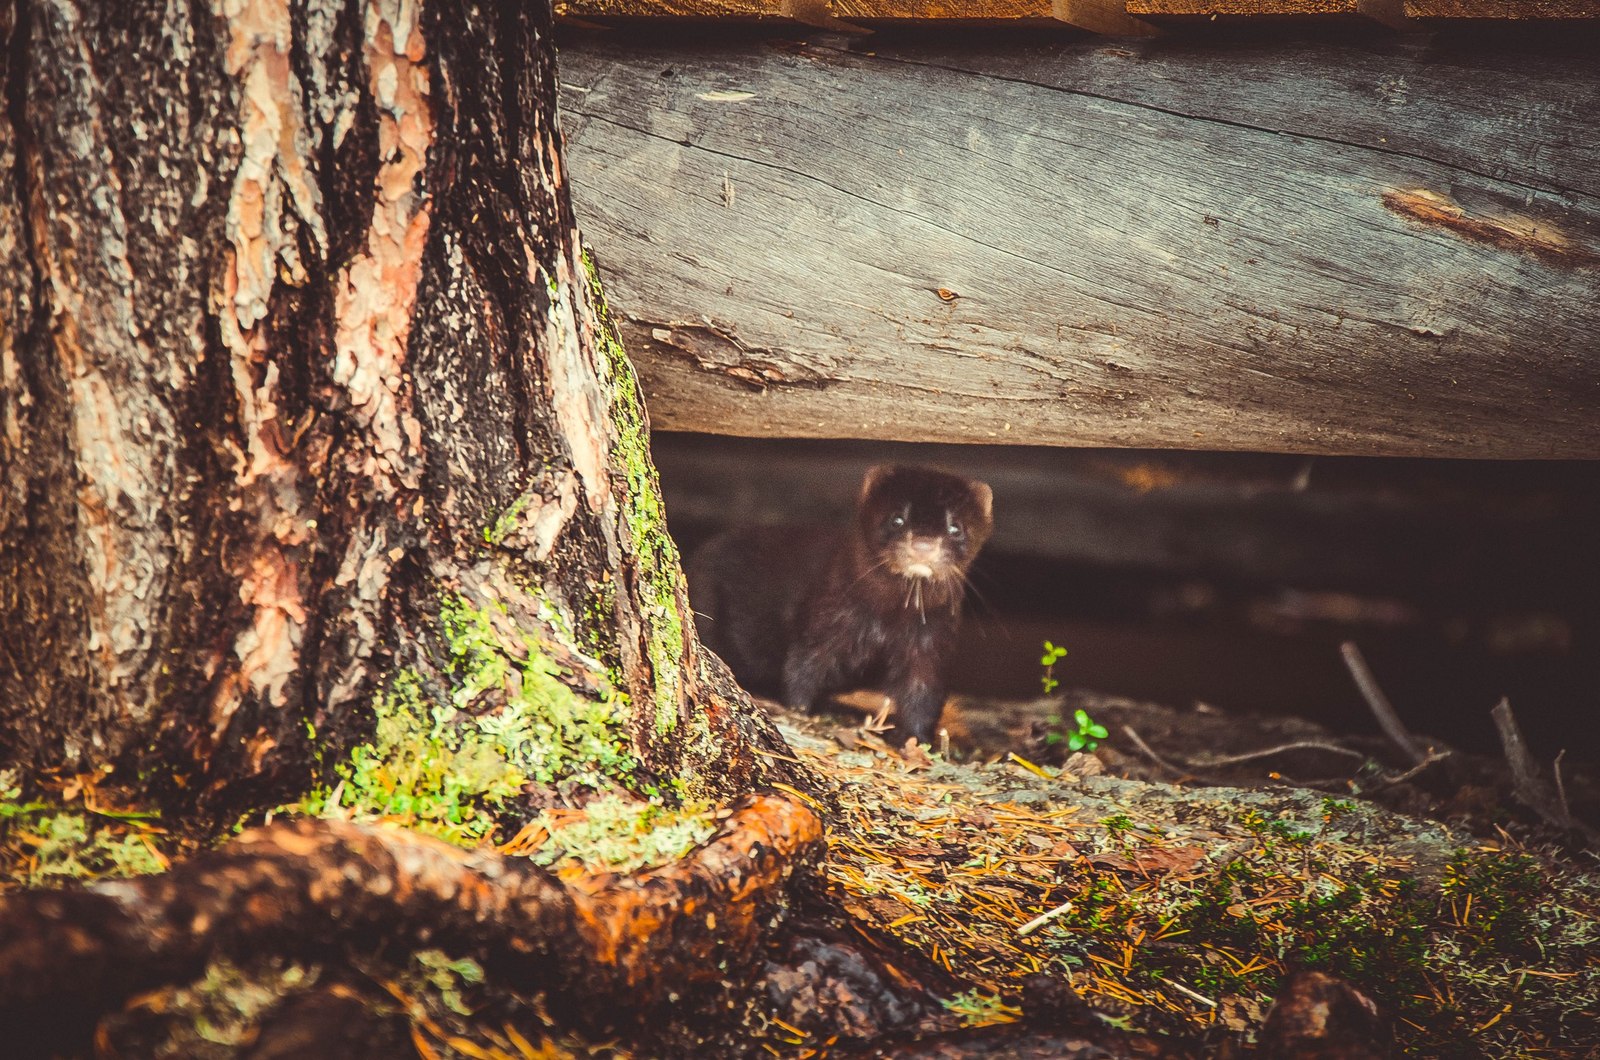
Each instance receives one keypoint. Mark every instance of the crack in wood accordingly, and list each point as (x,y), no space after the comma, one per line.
(713,350)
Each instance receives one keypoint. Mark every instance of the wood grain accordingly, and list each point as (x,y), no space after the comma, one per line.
(1101,16)
(669,8)
(1207,8)
(1389,12)
(948,9)
(1097,16)
(1503,9)
(1133,244)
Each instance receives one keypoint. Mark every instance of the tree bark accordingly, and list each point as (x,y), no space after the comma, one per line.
(298,348)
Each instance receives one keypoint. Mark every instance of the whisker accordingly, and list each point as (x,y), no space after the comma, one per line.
(884,562)
(966,579)
(995,623)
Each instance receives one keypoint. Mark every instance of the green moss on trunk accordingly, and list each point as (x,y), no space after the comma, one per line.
(660,573)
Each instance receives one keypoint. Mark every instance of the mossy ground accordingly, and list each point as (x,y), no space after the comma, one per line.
(71,831)
(614,834)
(1181,910)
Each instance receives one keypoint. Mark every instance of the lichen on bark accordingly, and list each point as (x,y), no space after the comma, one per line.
(660,572)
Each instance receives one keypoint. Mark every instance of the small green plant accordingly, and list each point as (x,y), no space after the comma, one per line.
(1118,824)
(1087,735)
(1332,808)
(1053,653)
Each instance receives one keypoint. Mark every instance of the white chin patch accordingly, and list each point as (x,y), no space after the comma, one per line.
(918,570)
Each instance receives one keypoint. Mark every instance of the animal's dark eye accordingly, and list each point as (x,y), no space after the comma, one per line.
(898,521)
(954,530)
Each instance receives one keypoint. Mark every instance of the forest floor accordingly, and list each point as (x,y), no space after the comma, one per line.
(1177,875)
(1169,883)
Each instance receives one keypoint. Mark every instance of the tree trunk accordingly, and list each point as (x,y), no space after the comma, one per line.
(324,477)
(300,355)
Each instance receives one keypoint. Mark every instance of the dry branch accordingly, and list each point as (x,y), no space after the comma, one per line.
(1528,783)
(316,884)
(1379,703)
(1150,753)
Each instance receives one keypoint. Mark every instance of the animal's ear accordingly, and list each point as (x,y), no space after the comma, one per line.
(985,497)
(869,482)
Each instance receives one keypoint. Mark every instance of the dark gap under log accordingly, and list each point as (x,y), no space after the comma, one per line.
(1232,579)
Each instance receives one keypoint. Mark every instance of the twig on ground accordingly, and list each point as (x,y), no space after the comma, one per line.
(1044,918)
(1149,752)
(1210,762)
(1401,778)
(1561,785)
(1379,703)
(1526,783)
(1191,994)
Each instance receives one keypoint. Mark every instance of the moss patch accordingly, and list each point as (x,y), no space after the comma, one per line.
(446,767)
(505,522)
(659,570)
(615,834)
(421,771)
(66,846)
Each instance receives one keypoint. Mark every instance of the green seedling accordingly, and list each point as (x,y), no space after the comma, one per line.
(1052,654)
(1088,734)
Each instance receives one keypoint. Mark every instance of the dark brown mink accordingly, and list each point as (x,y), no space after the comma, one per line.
(803,612)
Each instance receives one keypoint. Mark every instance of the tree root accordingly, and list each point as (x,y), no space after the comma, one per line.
(617,948)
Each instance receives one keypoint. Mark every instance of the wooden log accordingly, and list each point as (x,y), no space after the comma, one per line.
(587,9)
(986,10)
(1102,16)
(1297,247)
(1387,11)
(1503,9)
(1097,16)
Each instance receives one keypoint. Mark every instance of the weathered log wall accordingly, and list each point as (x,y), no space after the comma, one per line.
(1097,16)
(1385,245)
